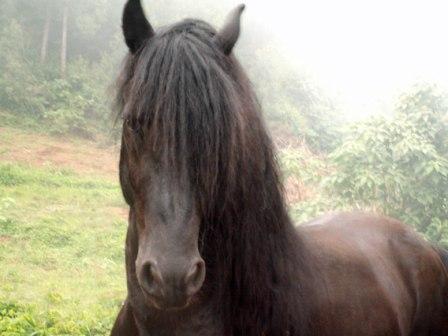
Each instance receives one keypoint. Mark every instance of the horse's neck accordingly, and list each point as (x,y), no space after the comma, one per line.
(271,277)
(201,319)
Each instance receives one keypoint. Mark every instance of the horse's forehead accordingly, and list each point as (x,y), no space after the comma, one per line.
(188,25)
(166,176)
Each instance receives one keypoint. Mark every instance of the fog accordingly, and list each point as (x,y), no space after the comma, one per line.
(362,53)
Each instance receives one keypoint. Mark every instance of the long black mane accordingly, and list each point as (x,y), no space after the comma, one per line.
(195,107)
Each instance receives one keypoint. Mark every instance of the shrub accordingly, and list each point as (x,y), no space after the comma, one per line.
(399,165)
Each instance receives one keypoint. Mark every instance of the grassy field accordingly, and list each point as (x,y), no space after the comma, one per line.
(62,227)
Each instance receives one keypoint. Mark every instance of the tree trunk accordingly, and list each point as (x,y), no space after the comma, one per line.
(64,39)
(44,49)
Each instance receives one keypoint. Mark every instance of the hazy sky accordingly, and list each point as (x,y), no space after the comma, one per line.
(362,52)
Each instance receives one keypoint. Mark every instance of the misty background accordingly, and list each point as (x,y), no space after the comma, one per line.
(355,95)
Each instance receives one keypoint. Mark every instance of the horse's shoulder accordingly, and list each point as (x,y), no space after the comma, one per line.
(353,222)
(361,234)
(363,238)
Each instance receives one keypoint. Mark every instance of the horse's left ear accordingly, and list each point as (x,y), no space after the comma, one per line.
(136,28)
(228,35)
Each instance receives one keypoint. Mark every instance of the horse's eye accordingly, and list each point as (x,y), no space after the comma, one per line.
(132,125)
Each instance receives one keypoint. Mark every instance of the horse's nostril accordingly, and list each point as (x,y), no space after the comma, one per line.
(150,277)
(195,277)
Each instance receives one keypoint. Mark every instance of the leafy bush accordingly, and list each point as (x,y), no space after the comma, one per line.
(302,164)
(399,165)
(19,81)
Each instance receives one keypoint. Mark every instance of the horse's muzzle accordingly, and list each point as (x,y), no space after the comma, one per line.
(171,287)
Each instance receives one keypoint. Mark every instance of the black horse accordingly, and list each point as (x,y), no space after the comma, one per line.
(210,249)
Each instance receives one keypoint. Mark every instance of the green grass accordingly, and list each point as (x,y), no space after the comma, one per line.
(61,252)
(9,119)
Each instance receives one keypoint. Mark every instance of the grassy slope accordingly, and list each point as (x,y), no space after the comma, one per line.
(61,239)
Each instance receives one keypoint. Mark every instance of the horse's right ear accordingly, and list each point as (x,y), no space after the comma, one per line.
(136,28)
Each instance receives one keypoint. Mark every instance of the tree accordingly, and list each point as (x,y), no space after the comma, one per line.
(45,34)
(64,38)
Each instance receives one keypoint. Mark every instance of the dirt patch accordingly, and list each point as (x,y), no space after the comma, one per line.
(121,212)
(4,238)
(297,191)
(80,156)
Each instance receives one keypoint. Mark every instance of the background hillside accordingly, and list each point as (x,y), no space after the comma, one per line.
(62,217)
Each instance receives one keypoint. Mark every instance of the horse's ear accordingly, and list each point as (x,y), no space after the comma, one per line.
(229,33)
(136,28)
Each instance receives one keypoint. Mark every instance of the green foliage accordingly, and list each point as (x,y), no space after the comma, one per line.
(19,320)
(309,169)
(399,165)
(303,165)
(19,86)
(77,102)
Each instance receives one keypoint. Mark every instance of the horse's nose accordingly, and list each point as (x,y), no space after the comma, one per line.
(172,286)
